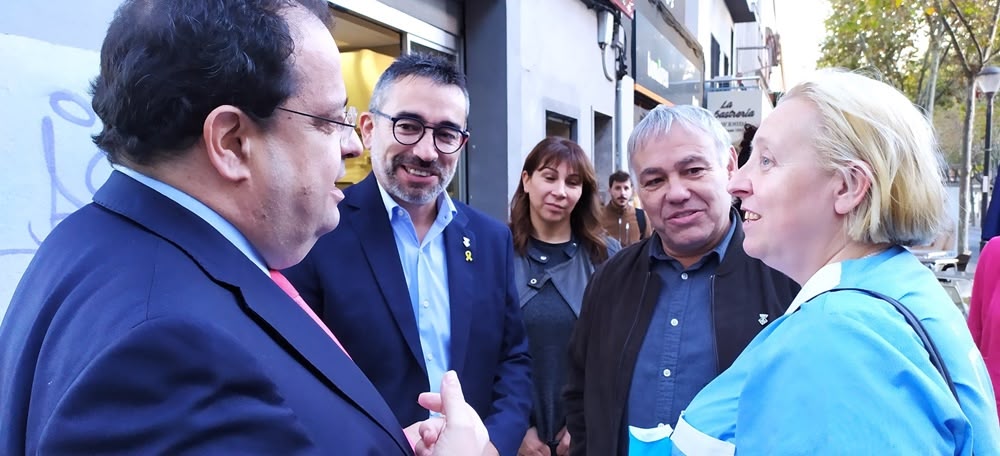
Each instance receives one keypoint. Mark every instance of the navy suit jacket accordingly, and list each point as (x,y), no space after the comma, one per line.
(139,329)
(354,280)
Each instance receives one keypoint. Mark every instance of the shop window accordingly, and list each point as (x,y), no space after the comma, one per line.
(716,54)
(366,50)
(559,125)
(605,159)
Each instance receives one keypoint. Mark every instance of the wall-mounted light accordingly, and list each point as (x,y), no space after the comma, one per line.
(605,28)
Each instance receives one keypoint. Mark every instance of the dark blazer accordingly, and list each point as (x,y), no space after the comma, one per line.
(354,280)
(618,307)
(139,329)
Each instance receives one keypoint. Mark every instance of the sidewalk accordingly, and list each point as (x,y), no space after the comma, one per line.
(974,233)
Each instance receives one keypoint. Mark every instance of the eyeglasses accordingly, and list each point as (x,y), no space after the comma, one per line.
(348,124)
(409,131)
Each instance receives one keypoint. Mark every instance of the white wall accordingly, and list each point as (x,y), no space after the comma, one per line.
(722,28)
(711,17)
(554,64)
(50,167)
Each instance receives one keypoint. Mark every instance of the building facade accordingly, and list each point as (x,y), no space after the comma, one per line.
(584,69)
(534,69)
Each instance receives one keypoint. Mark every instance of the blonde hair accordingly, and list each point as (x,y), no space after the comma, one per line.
(869,126)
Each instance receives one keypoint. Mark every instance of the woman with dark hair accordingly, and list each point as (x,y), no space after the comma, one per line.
(746,144)
(558,238)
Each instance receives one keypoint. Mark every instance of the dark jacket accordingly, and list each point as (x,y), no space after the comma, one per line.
(354,279)
(158,336)
(569,279)
(617,308)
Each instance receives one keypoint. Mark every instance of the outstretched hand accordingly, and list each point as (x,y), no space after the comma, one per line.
(461,432)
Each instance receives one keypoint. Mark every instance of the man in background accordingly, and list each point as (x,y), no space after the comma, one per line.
(621,219)
(415,283)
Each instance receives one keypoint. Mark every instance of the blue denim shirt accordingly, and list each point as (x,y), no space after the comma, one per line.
(678,356)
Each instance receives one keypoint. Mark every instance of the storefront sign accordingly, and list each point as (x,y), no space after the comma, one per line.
(625,6)
(662,67)
(738,107)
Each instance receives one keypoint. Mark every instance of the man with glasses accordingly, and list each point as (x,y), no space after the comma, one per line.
(413,283)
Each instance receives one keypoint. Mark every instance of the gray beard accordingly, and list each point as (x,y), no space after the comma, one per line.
(411,196)
(416,196)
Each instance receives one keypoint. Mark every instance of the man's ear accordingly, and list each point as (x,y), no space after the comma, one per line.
(228,133)
(366,123)
(731,161)
(852,186)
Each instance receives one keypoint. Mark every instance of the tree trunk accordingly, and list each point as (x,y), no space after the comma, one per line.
(931,97)
(965,174)
(937,49)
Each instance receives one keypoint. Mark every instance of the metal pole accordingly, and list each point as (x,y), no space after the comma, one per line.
(619,150)
(987,181)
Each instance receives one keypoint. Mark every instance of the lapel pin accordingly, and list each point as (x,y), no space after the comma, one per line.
(466,242)
(468,255)
(763,319)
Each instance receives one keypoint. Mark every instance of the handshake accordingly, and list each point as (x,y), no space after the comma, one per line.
(459,432)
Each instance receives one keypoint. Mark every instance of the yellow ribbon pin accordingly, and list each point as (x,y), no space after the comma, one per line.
(468,256)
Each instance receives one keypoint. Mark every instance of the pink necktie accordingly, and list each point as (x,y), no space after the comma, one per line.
(287,287)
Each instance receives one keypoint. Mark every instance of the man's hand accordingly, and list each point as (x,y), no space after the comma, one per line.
(532,445)
(563,437)
(460,433)
(412,432)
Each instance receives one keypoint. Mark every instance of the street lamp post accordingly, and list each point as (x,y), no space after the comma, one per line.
(989,83)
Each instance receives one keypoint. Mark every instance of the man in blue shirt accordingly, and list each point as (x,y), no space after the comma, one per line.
(424,284)
(665,316)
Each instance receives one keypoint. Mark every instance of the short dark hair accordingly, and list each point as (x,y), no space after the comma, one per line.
(439,69)
(618,176)
(165,65)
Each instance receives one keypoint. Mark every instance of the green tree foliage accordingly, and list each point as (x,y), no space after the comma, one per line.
(931,50)
(878,36)
(972,30)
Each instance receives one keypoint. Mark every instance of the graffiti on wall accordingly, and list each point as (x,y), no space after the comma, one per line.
(60,102)
(49,167)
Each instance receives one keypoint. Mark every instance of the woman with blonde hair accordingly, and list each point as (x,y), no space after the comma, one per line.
(872,357)
(558,239)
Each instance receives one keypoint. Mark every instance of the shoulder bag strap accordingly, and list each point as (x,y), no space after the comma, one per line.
(918,328)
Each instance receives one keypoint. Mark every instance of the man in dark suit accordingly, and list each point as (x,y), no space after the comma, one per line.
(414,283)
(147,323)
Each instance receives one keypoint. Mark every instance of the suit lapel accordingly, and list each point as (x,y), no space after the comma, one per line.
(286,322)
(460,249)
(370,221)
(264,301)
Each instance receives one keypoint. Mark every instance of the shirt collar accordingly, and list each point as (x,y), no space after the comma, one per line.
(569,249)
(822,281)
(443,202)
(656,246)
(829,277)
(616,209)
(206,213)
